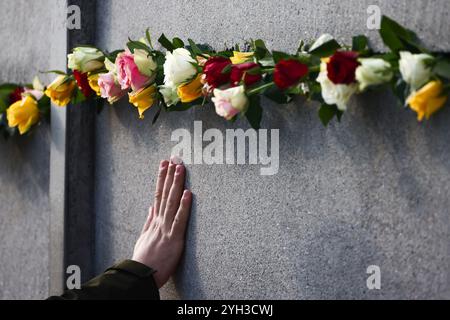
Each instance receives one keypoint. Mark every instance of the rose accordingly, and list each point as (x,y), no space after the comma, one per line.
(93,83)
(109,87)
(23,114)
(241,57)
(85,59)
(342,66)
(230,102)
(37,91)
(16,95)
(145,63)
(170,95)
(37,94)
(335,94)
(427,100)
(239,72)
(414,68)
(83,83)
(143,99)
(212,70)
(373,71)
(191,91)
(288,72)
(178,67)
(128,74)
(60,91)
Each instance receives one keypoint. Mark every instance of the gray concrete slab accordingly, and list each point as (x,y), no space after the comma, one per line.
(24,173)
(371,190)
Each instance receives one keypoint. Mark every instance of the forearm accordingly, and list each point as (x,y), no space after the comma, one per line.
(127,280)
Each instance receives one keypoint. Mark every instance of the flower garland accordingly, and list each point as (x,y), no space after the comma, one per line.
(234,80)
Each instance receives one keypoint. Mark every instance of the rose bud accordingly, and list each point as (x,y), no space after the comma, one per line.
(83,83)
(342,66)
(213,71)
(239,72)
(288,73)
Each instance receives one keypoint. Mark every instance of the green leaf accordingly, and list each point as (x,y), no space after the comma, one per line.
(398,38)
(442,68)
(133,45)
(326,49)
(360,43)
(195,49)
(9,86)
(166,43)
(54,71)
(177,43)
(157,114)
(401,90)
(254,112)
(227,69)
(278,56)
(259,48)
(149,38)
(44,105)
(277,95)
(78,97)
(327,113)
(183,106)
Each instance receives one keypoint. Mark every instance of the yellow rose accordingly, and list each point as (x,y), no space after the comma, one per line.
(93,83)
(427,100)
(143,99)
(192,90)
(23,113)
(241,57)
(60,90)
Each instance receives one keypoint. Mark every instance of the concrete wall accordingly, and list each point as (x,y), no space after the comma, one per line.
(371,190)
(24,170)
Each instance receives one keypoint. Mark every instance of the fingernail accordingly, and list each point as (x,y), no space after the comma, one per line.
(176,160)
(186,193)
(163,164)
(179,169)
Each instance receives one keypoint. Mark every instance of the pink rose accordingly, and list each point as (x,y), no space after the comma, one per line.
(109,88)
(230,102)
(128,73)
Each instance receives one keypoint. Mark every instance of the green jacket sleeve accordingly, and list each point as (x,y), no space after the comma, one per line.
(127,280)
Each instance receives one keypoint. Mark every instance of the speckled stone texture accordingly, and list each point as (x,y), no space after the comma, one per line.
(24,171)
(371,190)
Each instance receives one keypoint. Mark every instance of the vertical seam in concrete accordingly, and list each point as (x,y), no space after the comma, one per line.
(72,217)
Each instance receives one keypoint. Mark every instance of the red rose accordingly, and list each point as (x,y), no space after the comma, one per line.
(16,95)
(213,71)
(288,72)
(83,83)
(239,73)
(342,66)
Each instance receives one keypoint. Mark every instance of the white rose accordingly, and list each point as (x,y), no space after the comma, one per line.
(338,94)
(85,59)
(414,69)
(321,40)
(145,63)
(178,67)
(373,71)
(230,102)
(169,94)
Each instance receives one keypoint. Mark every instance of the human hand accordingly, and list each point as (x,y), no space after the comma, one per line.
(161,242)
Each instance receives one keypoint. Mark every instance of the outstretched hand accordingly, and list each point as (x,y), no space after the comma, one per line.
(161,242)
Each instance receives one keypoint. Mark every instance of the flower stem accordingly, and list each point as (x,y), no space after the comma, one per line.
(260,88)
(314,69)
